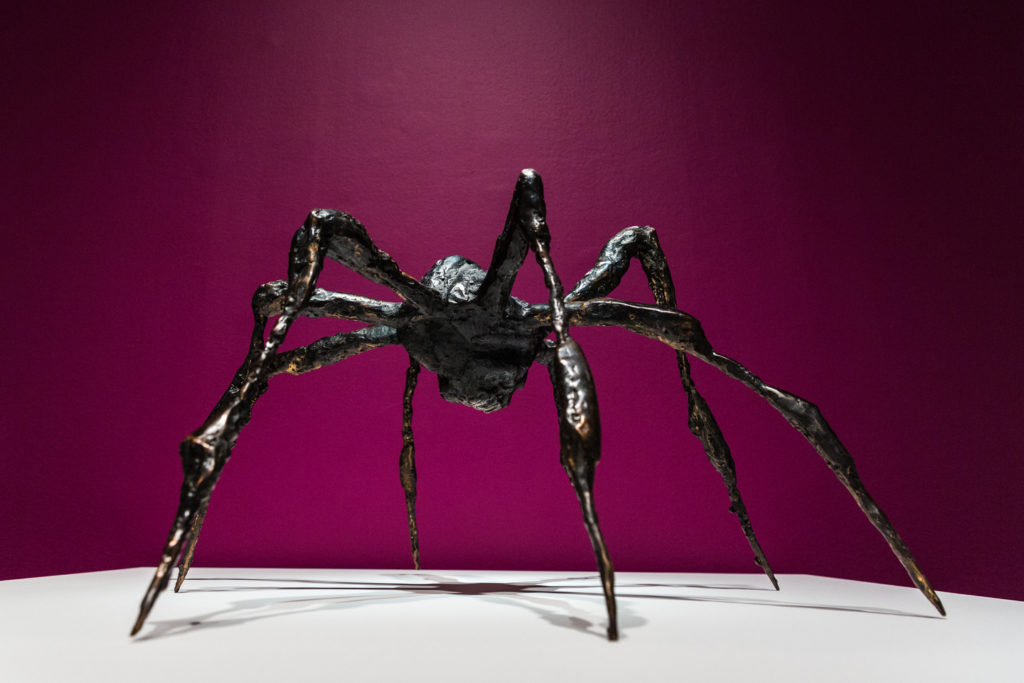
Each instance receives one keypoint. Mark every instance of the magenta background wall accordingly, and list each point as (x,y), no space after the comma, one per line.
(839,193)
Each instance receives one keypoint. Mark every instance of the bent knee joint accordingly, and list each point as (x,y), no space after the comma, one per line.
(199,461)
(266,296)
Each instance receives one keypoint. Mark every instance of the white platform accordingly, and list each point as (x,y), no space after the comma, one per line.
(350,625)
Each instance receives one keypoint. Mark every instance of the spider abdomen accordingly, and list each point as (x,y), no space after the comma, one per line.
(480,359)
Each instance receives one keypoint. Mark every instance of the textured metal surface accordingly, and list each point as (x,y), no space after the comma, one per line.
(407,459)
(462,323)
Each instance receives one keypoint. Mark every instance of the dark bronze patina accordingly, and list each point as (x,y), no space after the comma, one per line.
(462,323)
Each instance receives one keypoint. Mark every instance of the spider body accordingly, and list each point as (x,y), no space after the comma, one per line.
(480,359)
(461,322)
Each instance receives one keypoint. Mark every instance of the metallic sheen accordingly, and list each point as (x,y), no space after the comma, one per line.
(462,323)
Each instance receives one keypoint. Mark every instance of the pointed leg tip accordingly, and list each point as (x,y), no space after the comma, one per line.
(144,610)
(613,633)
(926,589)
(762,562)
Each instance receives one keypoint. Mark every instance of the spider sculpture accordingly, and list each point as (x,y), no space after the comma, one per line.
(461,322)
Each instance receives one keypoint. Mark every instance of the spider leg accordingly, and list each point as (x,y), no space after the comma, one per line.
(345,240)
(407,459)
(191,540)
(269,300)
(323,352)
(509,254)
(683,332)
(205,451)
(579,433)
(579,425)
(641,243)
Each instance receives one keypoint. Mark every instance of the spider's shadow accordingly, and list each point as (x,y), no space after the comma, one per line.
(346,594)
(532,595)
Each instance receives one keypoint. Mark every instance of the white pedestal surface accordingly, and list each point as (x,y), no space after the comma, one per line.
(362,625)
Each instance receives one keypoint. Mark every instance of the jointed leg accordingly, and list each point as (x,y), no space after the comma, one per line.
(642,244)
(639,243)
(683,332)
(268,301)
(407,460)
(509,253)
(205,452)
(579,431)
(703,425)
(204,462)
(320,353)
(579,427)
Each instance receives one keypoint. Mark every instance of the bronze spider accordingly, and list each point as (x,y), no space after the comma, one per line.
(461,322)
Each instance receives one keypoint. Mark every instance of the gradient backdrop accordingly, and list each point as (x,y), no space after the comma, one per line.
(839,193)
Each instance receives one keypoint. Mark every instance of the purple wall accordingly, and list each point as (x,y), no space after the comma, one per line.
(838,191)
